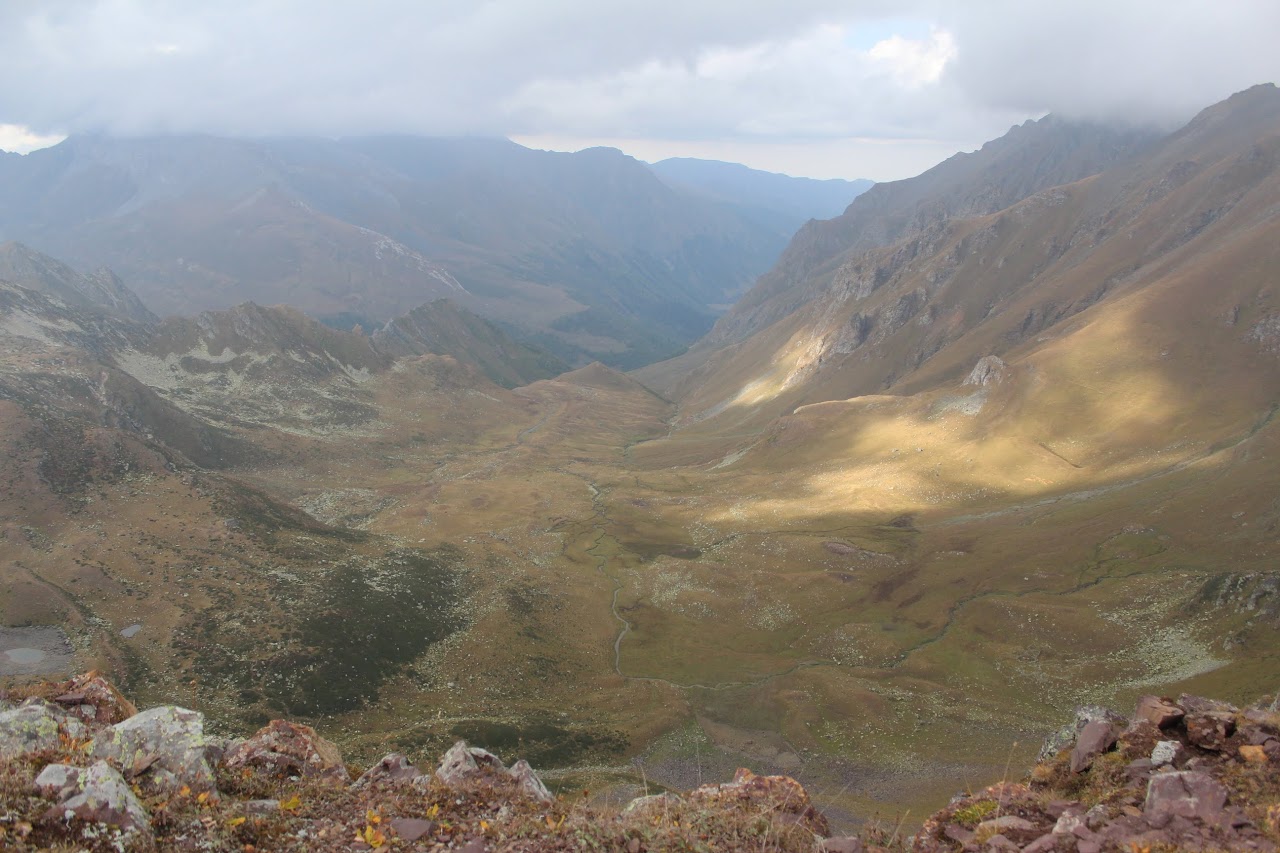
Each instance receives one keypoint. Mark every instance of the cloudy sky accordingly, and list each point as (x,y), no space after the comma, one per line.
(825,88)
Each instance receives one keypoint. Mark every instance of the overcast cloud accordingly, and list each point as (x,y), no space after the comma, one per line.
(817,87)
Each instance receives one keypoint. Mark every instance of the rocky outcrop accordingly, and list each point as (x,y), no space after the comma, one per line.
(1184,774)
(989,370)
(288,749)
(35,726)
(95,802)
(163,748)
(1180,775)
(464,763)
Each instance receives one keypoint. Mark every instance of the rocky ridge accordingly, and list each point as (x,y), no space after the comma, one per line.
(79,765)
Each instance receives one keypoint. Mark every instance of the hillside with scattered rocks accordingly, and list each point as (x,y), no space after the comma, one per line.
(82,768)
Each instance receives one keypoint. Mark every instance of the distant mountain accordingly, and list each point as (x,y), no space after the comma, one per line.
(102,289)
(591,252)
(444,328)
(789,202)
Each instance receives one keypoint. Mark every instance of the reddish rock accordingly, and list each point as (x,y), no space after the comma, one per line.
(94,699)
(1162,712)
(1210,729)
(1095,738)
(771,795)
(1191,794)
(839,845)
(288,749)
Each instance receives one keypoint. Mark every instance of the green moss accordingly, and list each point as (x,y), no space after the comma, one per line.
(975,813)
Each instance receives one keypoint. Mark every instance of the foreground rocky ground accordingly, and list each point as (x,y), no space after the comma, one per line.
(81,768)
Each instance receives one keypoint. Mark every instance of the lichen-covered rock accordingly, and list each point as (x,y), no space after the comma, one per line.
(781,797)
(989,370)
(35,726)
(288,749)
(97,795)
(96,700)
(164,747)
(392,768)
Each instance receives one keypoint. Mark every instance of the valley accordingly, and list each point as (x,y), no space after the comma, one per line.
(878,531)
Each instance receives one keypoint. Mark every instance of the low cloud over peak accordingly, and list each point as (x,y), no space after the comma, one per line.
(838,76)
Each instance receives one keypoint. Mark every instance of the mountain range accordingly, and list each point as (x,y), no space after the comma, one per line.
(995,442)
(591,255)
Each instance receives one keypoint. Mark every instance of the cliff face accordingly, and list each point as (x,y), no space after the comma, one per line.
(80,766)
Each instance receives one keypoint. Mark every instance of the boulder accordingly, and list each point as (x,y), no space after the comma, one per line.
(464,762)
(780,797)
(410,829)
(652,804)
(989,370)
(164,746)
(94,699)
(1162,712)
(288,749)
(1066,736)
(1167,752)
(1192,795)
(95,795)
(528,782)
(841,845)
(35,726)
(1210,729)
(1094,739)
(392,768)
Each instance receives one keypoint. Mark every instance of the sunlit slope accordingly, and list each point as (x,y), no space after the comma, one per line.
(925,311)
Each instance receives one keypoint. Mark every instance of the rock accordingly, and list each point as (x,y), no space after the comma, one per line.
(1095,738)
(288,749)
(1210,729)
(261,808)
(1162,712)
(462,762)
(94,699)
(35,726)
(410,829)
(1186,794)
(1253,754)
(528,782)
(652,803)
(1166,752)
(1067,735)
(1068,823)
(1096,817)
(776,796)
(958,833)
(475,845)
(97,795)
(989,370)
(999,844)
(164,745)
(1004,824)
(838,845)
(1200,704)
(392,768)
(1043,844)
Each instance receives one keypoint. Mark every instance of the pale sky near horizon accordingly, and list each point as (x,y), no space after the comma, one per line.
(821,88)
